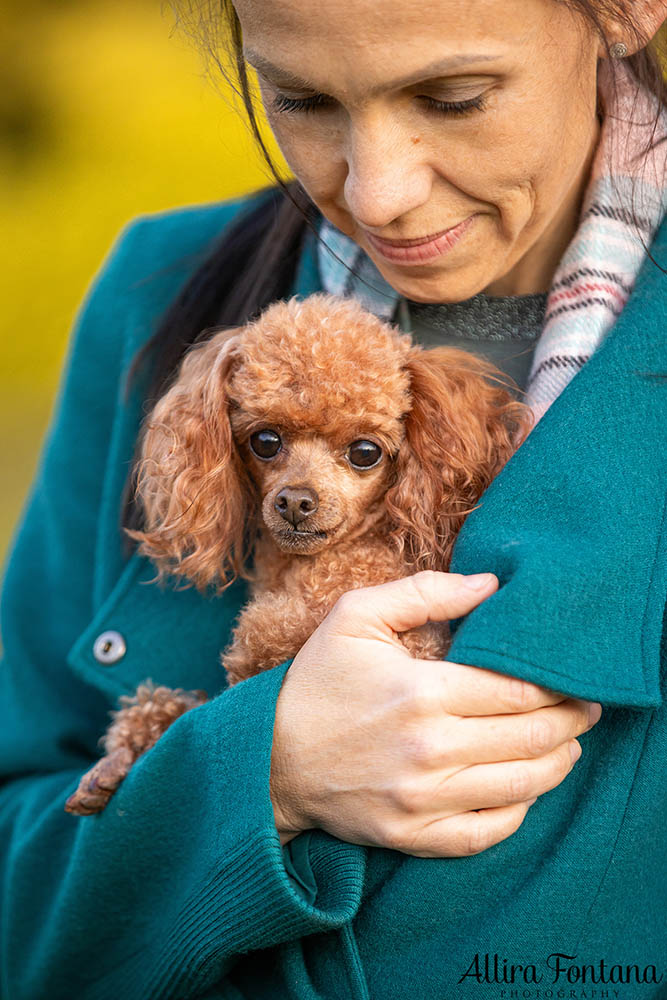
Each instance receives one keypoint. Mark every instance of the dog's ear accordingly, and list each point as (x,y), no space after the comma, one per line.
(463,425)
(192,485)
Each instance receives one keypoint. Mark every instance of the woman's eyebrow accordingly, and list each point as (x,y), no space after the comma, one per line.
(289,79)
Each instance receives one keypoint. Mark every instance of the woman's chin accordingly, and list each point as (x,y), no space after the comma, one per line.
(440,288)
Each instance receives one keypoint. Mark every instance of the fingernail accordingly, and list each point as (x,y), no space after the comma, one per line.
(594,713)
(575,751)
(478,580)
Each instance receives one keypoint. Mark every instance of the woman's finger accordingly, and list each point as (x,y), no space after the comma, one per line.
(517,737)
(474,691)
(400,605)
(506,782)
(461,835)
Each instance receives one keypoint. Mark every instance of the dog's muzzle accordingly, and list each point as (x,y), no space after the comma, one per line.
(296,504)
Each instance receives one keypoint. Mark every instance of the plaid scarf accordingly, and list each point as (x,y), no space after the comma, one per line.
(600,266)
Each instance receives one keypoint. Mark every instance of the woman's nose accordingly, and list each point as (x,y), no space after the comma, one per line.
(387,175)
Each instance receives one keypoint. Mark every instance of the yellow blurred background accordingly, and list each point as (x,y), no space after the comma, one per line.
(105,114)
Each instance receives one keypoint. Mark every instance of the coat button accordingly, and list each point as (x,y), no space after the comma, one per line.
(109,648)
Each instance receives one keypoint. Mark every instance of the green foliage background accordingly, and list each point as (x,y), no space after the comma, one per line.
(105,114)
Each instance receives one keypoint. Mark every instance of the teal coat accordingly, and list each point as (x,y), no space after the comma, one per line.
(180,888)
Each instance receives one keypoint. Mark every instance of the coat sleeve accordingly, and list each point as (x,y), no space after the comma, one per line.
(159,894)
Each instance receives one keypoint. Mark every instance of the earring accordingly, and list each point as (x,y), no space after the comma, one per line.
(618,50)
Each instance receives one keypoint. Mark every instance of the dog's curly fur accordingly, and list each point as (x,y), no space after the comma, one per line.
(321,373)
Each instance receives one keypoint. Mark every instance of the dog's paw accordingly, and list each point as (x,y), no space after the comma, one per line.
(98,785)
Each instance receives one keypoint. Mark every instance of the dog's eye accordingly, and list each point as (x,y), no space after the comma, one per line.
(364,454)
(265,444)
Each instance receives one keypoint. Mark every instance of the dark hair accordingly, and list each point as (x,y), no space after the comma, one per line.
(254,261)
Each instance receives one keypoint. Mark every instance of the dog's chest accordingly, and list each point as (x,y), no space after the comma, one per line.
(321,578)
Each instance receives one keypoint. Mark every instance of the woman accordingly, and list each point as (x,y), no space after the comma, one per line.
(400,121)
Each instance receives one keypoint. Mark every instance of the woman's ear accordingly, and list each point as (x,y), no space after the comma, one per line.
(648,16)
(194,490)
(462,427)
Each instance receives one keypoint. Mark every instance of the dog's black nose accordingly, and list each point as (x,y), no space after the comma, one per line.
(296,503)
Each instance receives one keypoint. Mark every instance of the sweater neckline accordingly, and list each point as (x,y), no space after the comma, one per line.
(512,311)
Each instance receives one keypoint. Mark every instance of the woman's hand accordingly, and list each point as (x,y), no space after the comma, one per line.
(381,749)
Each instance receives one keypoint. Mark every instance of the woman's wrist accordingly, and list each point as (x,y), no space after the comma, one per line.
(290,822)
(286,829)
(287,824)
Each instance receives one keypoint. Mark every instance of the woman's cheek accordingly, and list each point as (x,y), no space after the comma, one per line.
(311,154)
(507,174)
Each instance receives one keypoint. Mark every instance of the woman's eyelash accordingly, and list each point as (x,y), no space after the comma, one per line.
(456,107)
(292,104)
(282,103)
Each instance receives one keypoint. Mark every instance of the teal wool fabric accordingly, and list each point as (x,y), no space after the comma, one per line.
(180,888)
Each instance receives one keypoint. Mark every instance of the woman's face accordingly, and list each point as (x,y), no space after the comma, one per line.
(402,120)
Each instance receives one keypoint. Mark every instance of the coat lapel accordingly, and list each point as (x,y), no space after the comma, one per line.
(574,525)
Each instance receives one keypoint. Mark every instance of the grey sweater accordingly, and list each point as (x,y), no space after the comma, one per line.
(502,329)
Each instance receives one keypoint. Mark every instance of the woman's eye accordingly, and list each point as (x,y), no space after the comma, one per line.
(455,107)
(265,443)
(282,103)
(364,454)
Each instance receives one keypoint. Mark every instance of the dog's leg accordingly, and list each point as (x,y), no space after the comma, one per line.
(137,726)
(275,626)
(270,630)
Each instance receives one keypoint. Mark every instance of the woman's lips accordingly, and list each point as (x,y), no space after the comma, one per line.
(418,250)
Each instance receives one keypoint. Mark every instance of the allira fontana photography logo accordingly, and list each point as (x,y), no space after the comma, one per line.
(560,972)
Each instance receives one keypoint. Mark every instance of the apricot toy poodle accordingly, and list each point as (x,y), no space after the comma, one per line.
(314,451)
